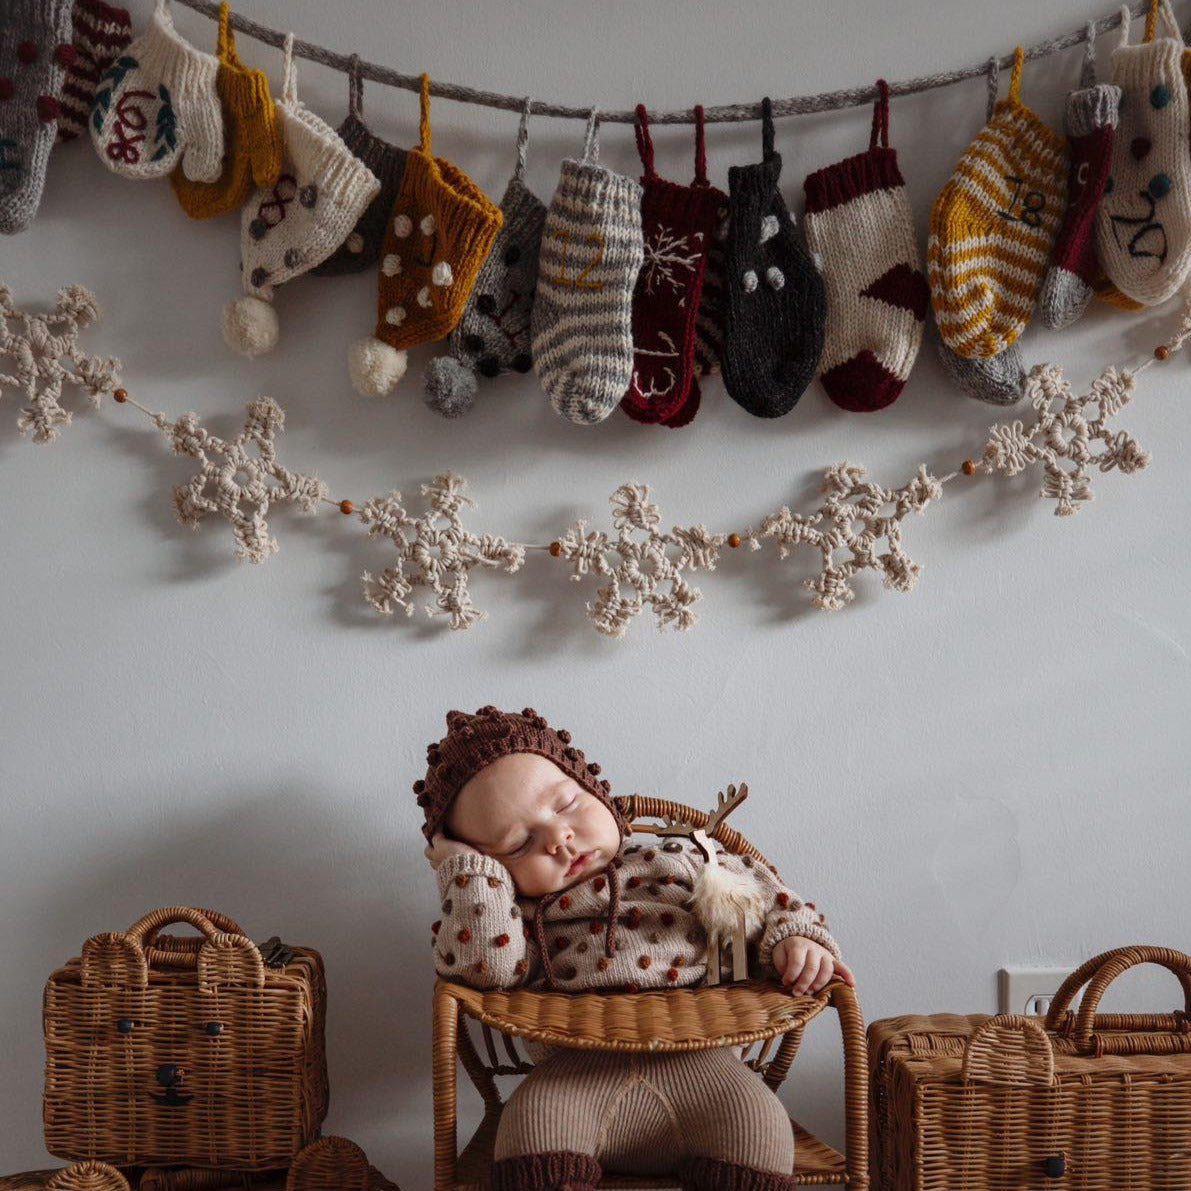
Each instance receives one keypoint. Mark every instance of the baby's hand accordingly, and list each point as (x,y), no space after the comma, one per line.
(807,965)
(440,848)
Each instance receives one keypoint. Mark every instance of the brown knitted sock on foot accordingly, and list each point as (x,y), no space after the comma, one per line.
(562,1170)
(710,1174)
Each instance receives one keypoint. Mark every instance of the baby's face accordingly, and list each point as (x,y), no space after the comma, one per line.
(544,827)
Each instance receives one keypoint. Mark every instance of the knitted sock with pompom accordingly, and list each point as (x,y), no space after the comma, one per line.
(100,34)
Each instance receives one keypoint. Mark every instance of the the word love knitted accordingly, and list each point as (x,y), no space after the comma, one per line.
(157,106)
(493,335)
(252,146)
(1143,226)
(582,322)
(678,223)
(34,51)
(776,301)
(100,33)
(439,233)
(288,228)
(860,227)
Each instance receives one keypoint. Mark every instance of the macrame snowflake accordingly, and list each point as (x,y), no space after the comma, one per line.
(854,518)
(650,567)
(433,551)
(665,255)
(36,344)
(241,479)
(1063,437)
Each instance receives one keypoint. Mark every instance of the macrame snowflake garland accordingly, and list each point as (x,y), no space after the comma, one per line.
(36,345)
(650,567)
(433,551)
(1062,438)
(240,480)
(855,516)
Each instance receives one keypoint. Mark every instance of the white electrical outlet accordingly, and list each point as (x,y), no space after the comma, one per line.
(1029,990)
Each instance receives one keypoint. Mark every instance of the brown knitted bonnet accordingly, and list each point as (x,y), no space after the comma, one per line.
(474,741)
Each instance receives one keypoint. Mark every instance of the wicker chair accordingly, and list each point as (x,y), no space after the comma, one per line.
(759,1016)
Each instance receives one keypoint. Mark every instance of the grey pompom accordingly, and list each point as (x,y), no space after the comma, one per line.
(450,387)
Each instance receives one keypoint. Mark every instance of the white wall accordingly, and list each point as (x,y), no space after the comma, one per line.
(990,770)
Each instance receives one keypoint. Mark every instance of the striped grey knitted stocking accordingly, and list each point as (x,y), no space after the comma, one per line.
(776,302)
(582,322)
(34,50)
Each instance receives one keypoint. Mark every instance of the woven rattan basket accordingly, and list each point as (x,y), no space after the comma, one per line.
(165,1050)
(1098,1102)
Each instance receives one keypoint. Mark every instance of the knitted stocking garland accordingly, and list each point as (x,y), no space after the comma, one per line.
(252,136)
(361,249)
(1143,225)
(100,34)
(34,51)
(860,227)
(1090,122)
(776,300)
(582,321)
(993,227)
(493,335)
(157,106)
(288,228)
(440,231)
(678,223)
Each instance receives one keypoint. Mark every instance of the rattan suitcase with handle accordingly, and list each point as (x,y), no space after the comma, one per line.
(1087,1101)
(193,1050)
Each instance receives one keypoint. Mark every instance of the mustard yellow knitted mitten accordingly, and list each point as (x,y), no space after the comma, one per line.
(993,226)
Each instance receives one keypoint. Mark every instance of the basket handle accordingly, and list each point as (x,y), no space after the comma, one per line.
(1009,1049)
(1098,973)
(181,951)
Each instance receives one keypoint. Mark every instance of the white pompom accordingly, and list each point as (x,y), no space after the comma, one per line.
(375,367)
(250,326)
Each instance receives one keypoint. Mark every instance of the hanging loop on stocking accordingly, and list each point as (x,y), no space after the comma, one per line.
(591,138)
(1087,75)
(289,85)
(700,147)
(355,88)
(424,137)
(1161,8)
(523,141)
(1019,58)
(644,141)
(225,41)
(880,133)
(993,77)
(767,151)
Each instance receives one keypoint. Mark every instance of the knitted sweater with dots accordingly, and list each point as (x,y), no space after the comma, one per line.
(488,937)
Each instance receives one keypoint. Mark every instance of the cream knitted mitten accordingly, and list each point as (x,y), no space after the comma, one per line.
(157,105)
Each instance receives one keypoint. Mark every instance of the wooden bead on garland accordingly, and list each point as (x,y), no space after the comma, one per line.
(555,549)
(121,396)
(346,508)
(1162,352)
(969,467)
(734,540)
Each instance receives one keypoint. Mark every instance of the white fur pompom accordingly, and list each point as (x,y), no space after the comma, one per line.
(375,367)
(722,899)
(250,326)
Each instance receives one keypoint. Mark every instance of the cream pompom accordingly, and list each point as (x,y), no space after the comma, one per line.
(250,326)
(375,367)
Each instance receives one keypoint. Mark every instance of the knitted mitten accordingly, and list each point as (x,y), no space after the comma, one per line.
(34,51)
(287,229)
(1143,226)
(859,225)
(556,1171)
(709,322)
(999,380)
(1090,122)
(362,247)
(993,227)
(582,322)
(252,136)
(776,307)
(493,335)
(157,105)
(100,33)
(440,231)
(677,223)
(714,1174)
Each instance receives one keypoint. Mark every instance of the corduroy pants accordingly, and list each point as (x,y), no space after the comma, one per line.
(645,1113)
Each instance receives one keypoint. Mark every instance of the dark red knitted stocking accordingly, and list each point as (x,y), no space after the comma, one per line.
(678,222)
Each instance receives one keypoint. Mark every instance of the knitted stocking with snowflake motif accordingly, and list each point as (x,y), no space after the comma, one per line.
(288,228)
(993,227)
(439,233)
(100,34)
(677,223)
(1143,225)
(493,335)
(1090,122)
(776,300)
(34,52)
(252,136)
(859,225)
(362,248)
(157,106)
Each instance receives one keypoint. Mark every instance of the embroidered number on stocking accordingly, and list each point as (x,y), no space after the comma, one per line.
(129,118)
(580,281)
(1031,205)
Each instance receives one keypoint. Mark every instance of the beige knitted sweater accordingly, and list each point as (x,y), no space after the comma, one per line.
(488,937)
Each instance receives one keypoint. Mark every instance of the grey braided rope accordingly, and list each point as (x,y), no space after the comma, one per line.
(796,105)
